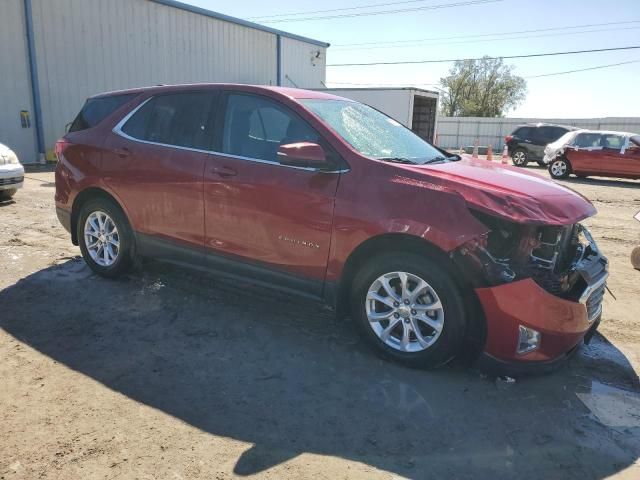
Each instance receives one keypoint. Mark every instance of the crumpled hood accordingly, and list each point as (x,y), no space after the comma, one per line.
(509,192)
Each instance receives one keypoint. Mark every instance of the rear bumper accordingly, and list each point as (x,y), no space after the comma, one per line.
(562,323)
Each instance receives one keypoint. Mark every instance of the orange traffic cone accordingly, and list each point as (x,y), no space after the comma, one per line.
(490,153)
(505,155)
(475,148)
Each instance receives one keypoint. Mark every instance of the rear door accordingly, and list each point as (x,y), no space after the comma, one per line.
(154,163)
(272,220)
(614,162)
(541,137)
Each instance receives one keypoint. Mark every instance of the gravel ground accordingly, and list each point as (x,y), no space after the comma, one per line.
(171,374)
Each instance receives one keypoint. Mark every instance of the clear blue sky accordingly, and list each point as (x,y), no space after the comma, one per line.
(600,93)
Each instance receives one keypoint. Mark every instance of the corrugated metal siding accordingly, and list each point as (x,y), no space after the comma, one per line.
(15,84)
(455,132)
(85,47)
(300,67)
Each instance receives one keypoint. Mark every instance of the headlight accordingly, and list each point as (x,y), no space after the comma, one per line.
(12,158)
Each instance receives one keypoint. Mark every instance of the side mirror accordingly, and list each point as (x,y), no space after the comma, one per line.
(302,154)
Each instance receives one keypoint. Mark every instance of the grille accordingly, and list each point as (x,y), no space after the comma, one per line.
(11,181)
(594,303)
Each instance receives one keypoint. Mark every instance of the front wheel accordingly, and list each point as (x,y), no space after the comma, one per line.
(559,168)
(409,309)
(105,238)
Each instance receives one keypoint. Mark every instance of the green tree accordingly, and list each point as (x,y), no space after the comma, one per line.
(481,88)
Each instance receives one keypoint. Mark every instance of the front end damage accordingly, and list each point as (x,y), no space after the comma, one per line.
(541,287)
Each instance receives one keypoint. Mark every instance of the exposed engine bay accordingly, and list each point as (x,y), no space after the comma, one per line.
(563,260)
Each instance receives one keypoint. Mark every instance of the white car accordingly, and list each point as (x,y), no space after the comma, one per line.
(11,173)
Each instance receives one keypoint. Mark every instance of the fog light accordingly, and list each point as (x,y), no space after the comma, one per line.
(528,340)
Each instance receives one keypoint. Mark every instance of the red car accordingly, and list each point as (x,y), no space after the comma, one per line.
(316,195)
(597,153)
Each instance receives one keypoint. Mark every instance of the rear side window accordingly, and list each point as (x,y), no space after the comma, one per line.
(613,142)
(180,119)
(523,132)
(97,109)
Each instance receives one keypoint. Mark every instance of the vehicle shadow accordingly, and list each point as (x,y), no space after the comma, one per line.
(6,203)
(250,364)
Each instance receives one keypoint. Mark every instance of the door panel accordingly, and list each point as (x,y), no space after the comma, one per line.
(275,215)
(161,187)
(585,161)
(258,210)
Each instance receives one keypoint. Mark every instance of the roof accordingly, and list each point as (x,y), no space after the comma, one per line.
(295,93)
(414,89)
(542,124)
(237,21)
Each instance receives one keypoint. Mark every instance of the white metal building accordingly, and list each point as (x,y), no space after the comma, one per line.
(56,53)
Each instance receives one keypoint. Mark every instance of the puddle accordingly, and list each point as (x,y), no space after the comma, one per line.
(612,406)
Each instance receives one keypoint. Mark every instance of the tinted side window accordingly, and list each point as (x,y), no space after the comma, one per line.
(523,132)
(546,133)
(180,119)
(557,132)
(97,109)
(255,127)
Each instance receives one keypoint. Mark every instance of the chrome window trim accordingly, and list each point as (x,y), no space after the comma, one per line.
(117,129)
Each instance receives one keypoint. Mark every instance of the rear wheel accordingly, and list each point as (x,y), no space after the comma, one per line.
(520,157)
(105,238)
(7,194)
(409,309)
(560,168)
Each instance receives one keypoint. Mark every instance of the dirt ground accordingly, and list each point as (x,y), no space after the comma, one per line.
(176,375)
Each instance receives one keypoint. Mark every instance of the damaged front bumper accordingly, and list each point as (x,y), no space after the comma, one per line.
(549,288)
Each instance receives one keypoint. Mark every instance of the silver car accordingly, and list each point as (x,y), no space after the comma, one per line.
(11,173)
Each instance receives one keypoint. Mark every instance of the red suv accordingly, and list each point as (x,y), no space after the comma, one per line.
(430,253)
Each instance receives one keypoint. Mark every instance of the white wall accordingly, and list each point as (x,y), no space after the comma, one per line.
(455,132)
(395,103)
(300,67)
(15,84)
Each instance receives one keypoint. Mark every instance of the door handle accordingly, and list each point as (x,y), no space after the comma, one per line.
(224,172)
(123,152)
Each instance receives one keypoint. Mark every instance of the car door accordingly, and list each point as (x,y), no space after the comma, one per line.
(154,163)
(542,136)
(270,221)
(585,154)
(614,161)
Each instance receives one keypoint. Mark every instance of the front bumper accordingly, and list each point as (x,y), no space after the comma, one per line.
(562,323)
(11,177)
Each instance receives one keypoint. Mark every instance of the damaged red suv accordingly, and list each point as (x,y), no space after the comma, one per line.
(313,194)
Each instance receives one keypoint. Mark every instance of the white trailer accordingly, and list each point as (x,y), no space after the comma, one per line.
(415,108)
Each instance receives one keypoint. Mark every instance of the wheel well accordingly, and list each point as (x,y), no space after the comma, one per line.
(398,242)
(82,198)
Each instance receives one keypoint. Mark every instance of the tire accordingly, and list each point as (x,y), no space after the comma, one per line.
(118,259)
(387,336)
(520,157)
(7,194)
(559,168)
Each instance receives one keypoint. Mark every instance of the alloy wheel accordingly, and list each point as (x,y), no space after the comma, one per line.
(559,168)
(101,238)
(519,158)
(404,311)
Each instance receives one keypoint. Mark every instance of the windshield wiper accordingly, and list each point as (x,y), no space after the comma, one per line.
(397,160)
(439,158)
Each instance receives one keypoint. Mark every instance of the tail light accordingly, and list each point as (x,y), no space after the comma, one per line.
(61,146)
(508,138)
